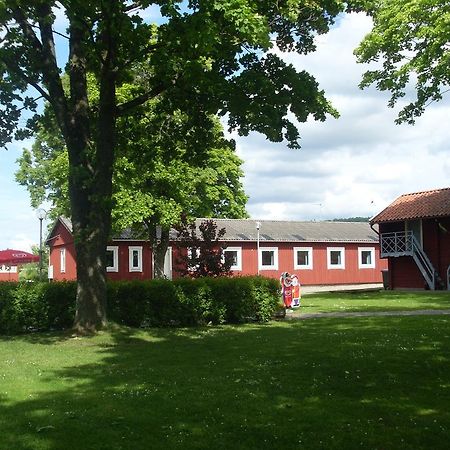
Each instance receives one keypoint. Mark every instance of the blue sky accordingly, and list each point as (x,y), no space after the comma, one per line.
(352,166)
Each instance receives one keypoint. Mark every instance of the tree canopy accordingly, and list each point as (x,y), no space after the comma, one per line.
(410,43)
(205,57)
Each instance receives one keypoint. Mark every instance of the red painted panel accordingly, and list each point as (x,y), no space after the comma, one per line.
(405,274)
(9,276)
(124,262)
(319,274)
(436,244)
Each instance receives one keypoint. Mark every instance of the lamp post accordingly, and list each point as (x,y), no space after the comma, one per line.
(41,214)
(258,226)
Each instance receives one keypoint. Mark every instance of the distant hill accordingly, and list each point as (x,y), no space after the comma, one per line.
(352,219)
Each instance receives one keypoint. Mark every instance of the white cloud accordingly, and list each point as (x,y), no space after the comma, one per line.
(352,166)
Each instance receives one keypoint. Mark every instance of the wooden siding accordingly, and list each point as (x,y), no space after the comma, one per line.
(62,239)
(404,274)
(318,275)
(9,276)
(124,262)
(436,244)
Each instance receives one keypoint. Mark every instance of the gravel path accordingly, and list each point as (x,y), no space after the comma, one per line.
(298,315)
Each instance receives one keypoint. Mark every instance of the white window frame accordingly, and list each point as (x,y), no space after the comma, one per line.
(62,260)
(274,266)
(336,266)
(308,266)
(372,257)
(115,266)
(131,250)
(238,251)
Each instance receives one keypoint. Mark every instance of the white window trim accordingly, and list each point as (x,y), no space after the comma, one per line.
(336,266)
(238,250)
(360,263)
(115,266)
(132,268)
(62,260)
(275,258)
(308,266)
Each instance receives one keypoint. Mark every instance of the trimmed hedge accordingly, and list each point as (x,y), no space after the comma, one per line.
(28,307)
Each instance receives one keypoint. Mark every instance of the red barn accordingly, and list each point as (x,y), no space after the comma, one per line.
(415,239)
(320,253)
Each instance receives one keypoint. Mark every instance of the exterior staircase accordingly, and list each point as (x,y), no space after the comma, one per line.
(404,243)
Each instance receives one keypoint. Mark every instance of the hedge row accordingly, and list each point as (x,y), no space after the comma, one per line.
(50,306)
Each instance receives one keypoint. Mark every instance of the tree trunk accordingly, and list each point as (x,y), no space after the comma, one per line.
(90,175)
(91,284)
(159,255)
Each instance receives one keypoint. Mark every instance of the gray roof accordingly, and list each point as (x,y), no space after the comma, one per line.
(244,230)
(293,231)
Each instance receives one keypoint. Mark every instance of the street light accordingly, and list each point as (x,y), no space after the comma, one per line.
(258,226)
(41,215)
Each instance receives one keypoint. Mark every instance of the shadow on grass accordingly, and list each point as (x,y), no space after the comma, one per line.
(374,383)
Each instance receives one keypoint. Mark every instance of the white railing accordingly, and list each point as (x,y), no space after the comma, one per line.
(397,244)
(403,243)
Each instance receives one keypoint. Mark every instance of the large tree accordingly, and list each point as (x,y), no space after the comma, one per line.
(410,47)
(156,179)
(207,56)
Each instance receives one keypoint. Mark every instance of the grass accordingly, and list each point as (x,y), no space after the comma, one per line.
(374,301)
(374,383)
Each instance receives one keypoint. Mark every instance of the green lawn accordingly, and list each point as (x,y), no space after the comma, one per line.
(372,383)
(374,301)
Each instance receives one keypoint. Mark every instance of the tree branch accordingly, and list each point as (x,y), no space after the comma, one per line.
(27,30)
(50,70)
(54,32)
(124,108)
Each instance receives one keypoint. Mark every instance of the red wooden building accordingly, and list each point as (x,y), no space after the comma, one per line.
(320,253)
(415,239)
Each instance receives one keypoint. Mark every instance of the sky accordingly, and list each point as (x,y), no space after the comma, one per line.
(352,166)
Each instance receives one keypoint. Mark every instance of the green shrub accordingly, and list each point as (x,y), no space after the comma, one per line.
(183,302)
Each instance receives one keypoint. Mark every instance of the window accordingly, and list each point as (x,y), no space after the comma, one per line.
(62,259)
(234,255)
(192,258)
(135,259)
(303,258)
(366,257)
(268,258)
(112,259)
(336,257)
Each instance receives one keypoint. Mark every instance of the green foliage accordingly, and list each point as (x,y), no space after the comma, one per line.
(28,307)
(206,58)
(32,272)
(36,306)
(193,301)
(410,43)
